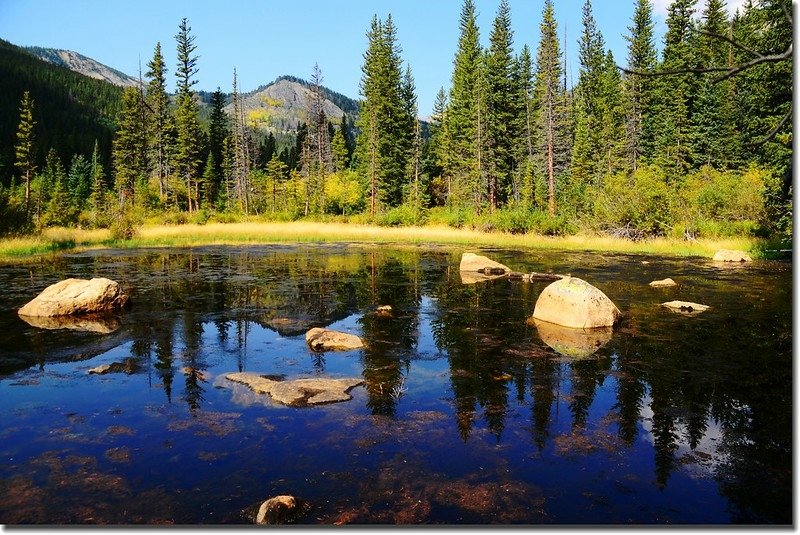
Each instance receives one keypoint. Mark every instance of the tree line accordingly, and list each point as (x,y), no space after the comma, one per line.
(690,142)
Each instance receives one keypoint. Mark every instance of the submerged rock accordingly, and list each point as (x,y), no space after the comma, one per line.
(298,392)
(570,342)
(129,366)
(573,302)
(91,324)
(686,307)
(279,510)
(730,255)
(289,326)
(663,283)
(384,310)
(327,340)
(481,264)
(76,296)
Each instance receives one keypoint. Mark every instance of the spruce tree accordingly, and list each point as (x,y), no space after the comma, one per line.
(218,130)
(97,195)
(523,127)
(129,141)
(675,93)
(462,171)
(24,160)
(382,146)
(550,96)
(501,100)
(158,105)
(638,90)
(188,142)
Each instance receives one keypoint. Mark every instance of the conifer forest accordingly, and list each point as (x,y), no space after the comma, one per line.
(688,142)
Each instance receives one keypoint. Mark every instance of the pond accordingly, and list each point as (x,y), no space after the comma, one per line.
(466,412)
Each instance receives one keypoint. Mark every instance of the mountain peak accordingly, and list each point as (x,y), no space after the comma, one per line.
(84,65)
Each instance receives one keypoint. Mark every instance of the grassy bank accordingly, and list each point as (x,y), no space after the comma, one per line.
(54,241)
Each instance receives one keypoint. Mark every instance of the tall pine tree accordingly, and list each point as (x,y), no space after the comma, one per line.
(188,143)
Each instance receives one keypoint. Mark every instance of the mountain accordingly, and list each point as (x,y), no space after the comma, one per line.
(281,106)
(83,65)
(71,110)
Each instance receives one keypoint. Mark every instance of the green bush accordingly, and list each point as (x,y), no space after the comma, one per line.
(404,215)
(516,220)
(452,217)
(639,203)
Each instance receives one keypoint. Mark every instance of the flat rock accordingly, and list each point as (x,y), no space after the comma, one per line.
(298,392)
(685,307)
(730,255)
(289,326)
(570,342)
(278,510)
(663,283)
(573,302)
(327,340)
(76,296)
(92,323)
(481,264)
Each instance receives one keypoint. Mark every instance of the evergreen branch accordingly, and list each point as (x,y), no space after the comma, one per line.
(772,133)
(728,71)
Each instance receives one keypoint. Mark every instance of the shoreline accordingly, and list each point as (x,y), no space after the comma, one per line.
(55,241)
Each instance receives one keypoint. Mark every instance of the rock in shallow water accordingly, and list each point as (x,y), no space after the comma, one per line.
(686,307)
(279,510)
(76,296)
(327,340)
(573,302)
(298,392)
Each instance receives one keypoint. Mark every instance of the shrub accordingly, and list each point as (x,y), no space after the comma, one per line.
(404,215)
(639,202)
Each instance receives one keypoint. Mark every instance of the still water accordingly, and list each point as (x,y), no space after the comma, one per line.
(466,414)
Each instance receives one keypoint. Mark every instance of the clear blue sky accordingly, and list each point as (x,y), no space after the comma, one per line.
(267,38)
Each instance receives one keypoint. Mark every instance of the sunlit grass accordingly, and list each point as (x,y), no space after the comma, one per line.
(57,240)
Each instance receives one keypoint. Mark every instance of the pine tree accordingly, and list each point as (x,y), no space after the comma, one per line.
(240,151)
(551,98)
(129,141)
(339,150)
(611,127)
(462,171)
(638,90)
(382,145)
(158,105)
(79,180)
(675,94)
(218,130)
(188,142)
(713,117)
(97,195)
(316,158)
(24,148)
(523,127)
(502,107)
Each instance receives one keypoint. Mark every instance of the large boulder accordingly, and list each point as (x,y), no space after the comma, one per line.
(76,296)
(327,340)
(481,264)
(573,302)
(728,255)
(298,392)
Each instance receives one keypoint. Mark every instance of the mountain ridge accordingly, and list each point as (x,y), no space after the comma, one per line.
(77,62)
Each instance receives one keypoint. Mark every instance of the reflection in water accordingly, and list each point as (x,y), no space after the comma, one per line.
(89,324)
(575,343)
(688,399)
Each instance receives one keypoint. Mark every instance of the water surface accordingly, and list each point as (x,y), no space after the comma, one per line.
(467,414)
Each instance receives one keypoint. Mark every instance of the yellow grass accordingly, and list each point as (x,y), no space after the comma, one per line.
(188,235)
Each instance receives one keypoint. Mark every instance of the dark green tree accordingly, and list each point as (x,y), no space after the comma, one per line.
(129,140)
(218,130)
(502,104)
(24,147)
(188,143)
(462,170)
(158,106)
(638,90)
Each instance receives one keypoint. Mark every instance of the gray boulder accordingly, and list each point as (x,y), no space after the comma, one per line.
(573,302)
(327,340)
(76,296)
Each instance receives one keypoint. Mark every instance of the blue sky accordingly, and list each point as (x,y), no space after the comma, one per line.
(267,38)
